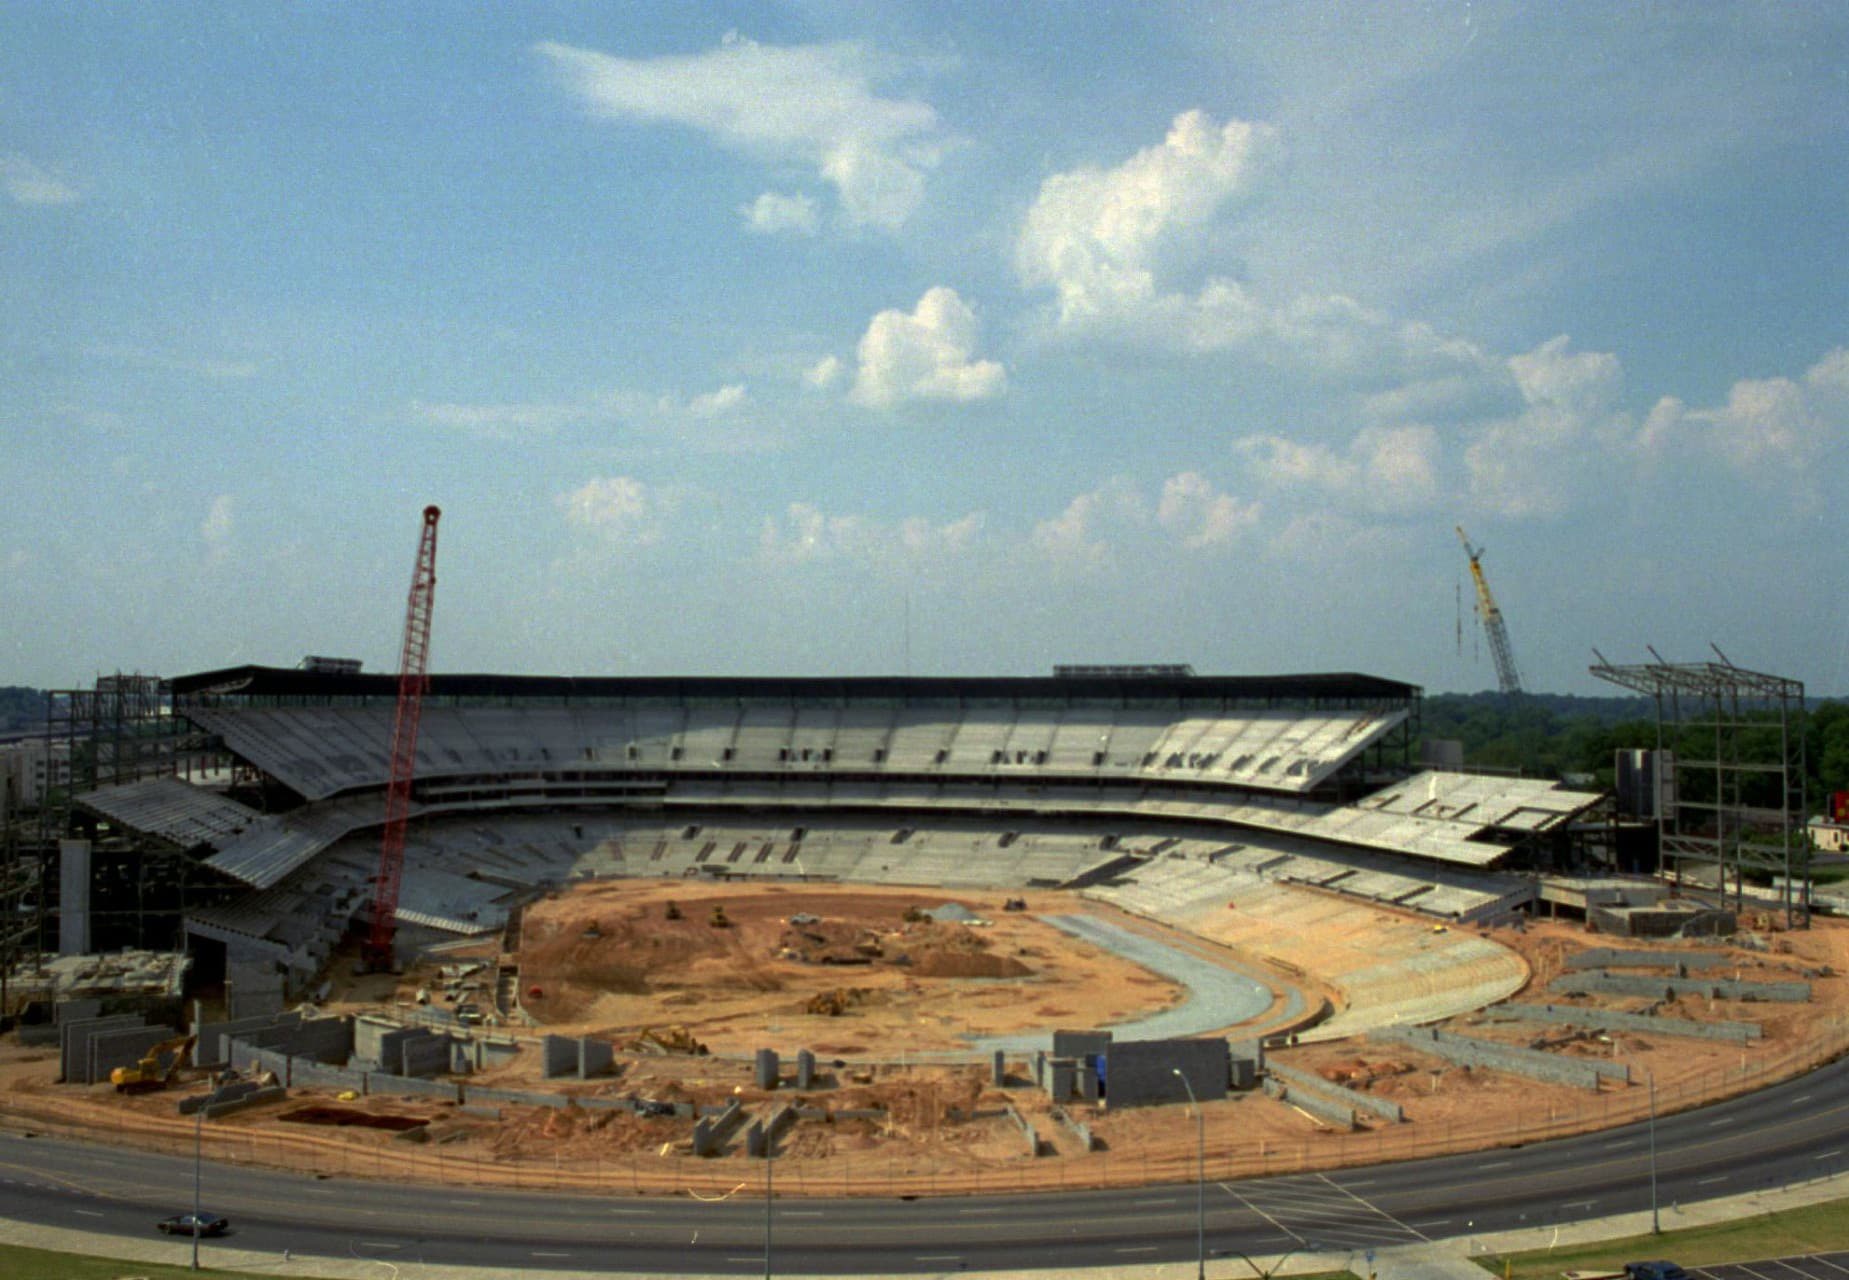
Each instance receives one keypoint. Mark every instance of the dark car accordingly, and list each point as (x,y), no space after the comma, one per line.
(189,1224)
(1654,1271)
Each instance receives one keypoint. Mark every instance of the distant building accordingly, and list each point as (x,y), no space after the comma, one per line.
(1829,837)
(29,768)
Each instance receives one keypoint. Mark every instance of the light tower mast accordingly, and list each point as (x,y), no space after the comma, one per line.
(413,678)
(1508,679)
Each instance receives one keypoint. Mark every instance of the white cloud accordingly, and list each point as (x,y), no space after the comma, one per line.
(1086,533)
(620,510)
(217,528)
(1383,468)
(805,533)
(824,373)
(1092,234)
(712,404)
(814,105)
(1534,463)
(1769,426)
(1200,516)
(26,183)
(927,355)
(771,214)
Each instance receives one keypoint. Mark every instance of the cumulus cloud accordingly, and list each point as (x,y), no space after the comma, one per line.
(926,355)
(772,214)
(1085,534)
(713,404)
(824,373)
(1199,515)
(1769,426)
(620,510)
(217,528)
(1382,469)
(805,533)
(1531,464)
(1092,234)
(26,183)
(813,105)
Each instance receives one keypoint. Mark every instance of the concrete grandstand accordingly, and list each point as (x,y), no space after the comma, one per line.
(1156,790)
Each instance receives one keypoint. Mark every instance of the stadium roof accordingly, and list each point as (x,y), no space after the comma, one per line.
(280,682)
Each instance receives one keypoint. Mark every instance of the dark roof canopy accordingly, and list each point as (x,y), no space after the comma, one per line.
(281,682)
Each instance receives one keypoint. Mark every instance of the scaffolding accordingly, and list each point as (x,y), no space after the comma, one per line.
(1731,744)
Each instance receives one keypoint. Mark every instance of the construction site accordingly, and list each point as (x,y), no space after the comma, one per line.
(925,935)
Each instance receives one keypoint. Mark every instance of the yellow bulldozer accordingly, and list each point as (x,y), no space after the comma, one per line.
(156,1069)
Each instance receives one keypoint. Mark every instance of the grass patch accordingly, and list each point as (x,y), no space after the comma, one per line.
(1817,1228)
(20,1263)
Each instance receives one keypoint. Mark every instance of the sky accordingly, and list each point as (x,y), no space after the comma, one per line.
(860,339)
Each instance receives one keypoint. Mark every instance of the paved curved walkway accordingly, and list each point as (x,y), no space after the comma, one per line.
(1216,998)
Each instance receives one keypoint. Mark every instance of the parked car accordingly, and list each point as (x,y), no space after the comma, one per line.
(188,1224)
(1654,1271)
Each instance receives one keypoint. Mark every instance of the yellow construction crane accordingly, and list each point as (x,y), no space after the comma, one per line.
(1508,679)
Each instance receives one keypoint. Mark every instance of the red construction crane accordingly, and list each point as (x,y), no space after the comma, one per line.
(413,678)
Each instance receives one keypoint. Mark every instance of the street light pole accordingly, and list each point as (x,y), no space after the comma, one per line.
(770,1151)
(1200,1176)
(198,1158)
(1656,1222)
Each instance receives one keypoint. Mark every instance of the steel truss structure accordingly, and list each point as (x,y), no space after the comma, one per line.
(1733,743)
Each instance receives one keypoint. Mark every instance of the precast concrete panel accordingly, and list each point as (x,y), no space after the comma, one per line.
(1142,1072)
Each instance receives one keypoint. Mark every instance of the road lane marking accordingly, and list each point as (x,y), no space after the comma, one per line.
(1150,1204)
(937,1257)
(379,1244)
(1142,1248)
(997,1209)
(1829,1155)
(549,1253)
(1719,1177)
(88,1213)
(1796,1101)
(799,1213)
(1435,1222)
(1496,1164)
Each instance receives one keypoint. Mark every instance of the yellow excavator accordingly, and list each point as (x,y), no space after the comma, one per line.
(157,1067)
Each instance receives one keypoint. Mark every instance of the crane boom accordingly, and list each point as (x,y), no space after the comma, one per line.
(1508,679)
(413,678)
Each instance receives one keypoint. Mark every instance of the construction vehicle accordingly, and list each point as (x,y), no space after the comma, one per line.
(157,1067)
(413,679)
(1508,679)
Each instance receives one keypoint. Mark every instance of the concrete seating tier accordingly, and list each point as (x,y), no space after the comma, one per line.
(321,751)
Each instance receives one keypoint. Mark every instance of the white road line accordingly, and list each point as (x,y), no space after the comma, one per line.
(1435,1222)
(1350,1186)
(1149,1204)
(1577,1204)
(1142,1248)
(1496,1164)
(88,1213)
(1715,1124)
(1831,1265)
(1719,1177)
(1828,1155)
(643,1213)
(549,1253)
(997,1209)
(379,1244)
(1796,1101)
(799,1213)
(934,1257)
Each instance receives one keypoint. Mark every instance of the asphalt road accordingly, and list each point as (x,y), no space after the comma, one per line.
(1788,1133)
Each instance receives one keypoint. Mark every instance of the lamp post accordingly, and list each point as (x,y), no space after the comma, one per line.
(1656,1222)
(198,1160)
(770,1151)
(1200,1176)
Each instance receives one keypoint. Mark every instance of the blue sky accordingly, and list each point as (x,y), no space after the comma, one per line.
(835,338)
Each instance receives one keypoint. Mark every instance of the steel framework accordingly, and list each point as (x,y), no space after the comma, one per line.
(1733,742)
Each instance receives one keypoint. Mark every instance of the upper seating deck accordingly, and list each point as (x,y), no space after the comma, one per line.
(323,751)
